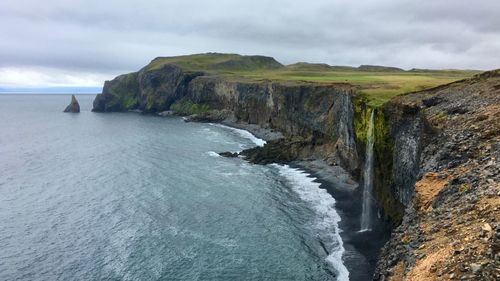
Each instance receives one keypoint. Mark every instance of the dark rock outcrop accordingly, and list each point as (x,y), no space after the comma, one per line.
(229,154)
(73,107)
(149,91)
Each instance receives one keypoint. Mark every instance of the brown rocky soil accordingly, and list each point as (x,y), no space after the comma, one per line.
(428,187)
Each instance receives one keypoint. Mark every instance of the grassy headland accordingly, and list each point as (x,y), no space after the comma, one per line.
(377,83)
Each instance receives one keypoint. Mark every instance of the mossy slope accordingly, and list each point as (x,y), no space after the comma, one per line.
(383,148)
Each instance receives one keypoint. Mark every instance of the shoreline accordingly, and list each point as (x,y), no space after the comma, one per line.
(361,249)
(328,219)
(254,129)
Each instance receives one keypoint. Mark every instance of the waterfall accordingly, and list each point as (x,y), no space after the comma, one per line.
(368,178)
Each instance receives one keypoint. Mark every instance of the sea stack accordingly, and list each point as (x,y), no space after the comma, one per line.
(73,107)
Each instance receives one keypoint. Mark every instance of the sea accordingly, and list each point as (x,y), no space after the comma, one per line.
(126,196)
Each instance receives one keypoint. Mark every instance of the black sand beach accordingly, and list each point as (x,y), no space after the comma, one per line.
(361,248)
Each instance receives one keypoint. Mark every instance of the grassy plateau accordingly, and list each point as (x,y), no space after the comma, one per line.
(377,83)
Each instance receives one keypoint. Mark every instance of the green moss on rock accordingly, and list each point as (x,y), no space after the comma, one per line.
(361,119)
(383,147)
(187,107)
(124,92)
(383,175)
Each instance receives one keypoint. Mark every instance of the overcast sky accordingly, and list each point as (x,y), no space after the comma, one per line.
(84,42)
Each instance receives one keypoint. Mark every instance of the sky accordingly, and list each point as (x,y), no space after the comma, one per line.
(85,42)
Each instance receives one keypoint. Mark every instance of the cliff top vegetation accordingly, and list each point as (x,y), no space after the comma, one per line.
(378,83)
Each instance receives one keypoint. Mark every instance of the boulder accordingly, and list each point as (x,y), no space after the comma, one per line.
(73,107)
(229,154)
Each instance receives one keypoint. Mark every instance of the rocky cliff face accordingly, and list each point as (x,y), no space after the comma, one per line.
(447,143)
(149,91)
(315,119)
(436,153)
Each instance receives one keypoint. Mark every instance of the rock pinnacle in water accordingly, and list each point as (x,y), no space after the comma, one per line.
(73,107)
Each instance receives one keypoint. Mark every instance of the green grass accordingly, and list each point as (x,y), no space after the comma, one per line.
(214,62)
(378,87)
(378,84)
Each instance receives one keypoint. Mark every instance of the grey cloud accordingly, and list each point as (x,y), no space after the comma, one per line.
(117,36)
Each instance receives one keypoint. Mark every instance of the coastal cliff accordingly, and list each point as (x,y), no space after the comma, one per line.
(447,142)
(436,170)
(315,119)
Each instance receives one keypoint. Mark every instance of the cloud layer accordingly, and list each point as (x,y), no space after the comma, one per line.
(61,42)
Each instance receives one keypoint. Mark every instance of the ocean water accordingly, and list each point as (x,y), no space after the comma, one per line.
(123,196)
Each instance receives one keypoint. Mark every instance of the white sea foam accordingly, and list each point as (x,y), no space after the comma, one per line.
(213,154)
(244,134)
(327,218)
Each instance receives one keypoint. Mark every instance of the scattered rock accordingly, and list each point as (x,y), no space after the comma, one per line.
(211,116)
(487,227)
(433,101)
(229,154)
(475,268)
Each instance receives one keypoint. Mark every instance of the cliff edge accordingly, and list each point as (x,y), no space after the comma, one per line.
(447,142)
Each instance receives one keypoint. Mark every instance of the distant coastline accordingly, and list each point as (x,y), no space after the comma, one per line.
(52,90)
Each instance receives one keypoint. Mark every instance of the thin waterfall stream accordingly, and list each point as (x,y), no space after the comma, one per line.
(368,177)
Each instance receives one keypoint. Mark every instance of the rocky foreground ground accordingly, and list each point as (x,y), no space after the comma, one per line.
(451,229)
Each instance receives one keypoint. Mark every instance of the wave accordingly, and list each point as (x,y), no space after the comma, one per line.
(213,154)
(327,220)
(243,133)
